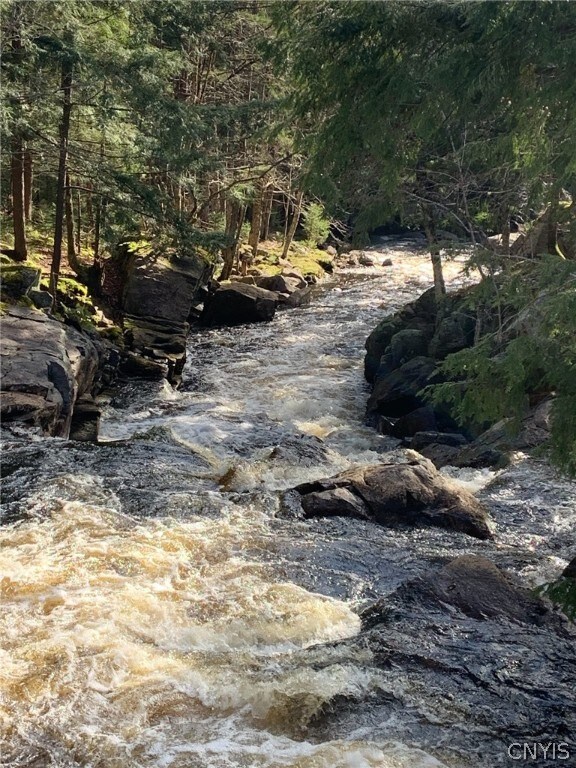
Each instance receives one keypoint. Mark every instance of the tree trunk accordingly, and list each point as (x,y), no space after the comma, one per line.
(17,157)
(28,175)
(293,224)
(79,223)
(267,212)
(66,87)
(18,207)
(434,248)
(228,253)
(256,223)
(73,261)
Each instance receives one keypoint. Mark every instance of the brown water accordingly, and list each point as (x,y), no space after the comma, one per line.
(154,613)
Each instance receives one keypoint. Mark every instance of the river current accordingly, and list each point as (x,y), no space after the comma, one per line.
(159,612)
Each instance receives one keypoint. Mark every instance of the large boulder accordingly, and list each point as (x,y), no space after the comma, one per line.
(16,280)
(476,587)
(392,494)
(237,303)
(397,394)
(156,294)
(290,285)
(46,368)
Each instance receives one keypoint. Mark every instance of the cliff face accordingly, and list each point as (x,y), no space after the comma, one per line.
(47,368)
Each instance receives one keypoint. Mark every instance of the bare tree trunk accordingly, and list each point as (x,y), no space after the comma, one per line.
(228,253)
(28,175)
(267,212)
(18,208)
(66,87)
(293,224)
(71,253)
(79,223)
(434,248)
(17,159)
(256,223)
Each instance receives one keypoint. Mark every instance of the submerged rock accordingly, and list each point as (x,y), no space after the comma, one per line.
(393,494)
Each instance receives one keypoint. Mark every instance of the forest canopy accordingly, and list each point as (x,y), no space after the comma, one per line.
(210,124)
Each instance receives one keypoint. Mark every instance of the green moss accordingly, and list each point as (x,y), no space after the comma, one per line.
(563,594)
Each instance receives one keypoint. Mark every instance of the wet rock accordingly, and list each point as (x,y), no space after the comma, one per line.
(377,344)
(138,366)
(476,587)
(397,394)
(418,420)
(46,367)
(340,502)
(85,420)
(427,438)
(387,263)
(236,304)
(367,259)
(412,493)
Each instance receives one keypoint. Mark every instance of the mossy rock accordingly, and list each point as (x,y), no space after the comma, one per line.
(562,593)
(17,279)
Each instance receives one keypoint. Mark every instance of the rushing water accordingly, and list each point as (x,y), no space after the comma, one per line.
(158,611)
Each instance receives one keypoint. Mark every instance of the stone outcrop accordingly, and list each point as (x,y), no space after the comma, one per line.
(476,587)
(156,295)
(395,494)
(46,368)
(238,303)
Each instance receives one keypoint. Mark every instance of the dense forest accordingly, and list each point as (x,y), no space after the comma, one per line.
(287,383)
(210,126)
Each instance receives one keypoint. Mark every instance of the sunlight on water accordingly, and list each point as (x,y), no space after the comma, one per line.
(130,643)
(159,643)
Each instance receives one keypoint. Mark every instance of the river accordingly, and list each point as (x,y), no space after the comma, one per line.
(158,610)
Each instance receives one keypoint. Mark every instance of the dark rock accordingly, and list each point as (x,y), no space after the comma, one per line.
(440,455)
(327,266)
(156,294)
(397,394)
(413,493)
(479,589)
(455,332)
(236,304)
(138,366)
(367,259)
(85,420)
(426,438)
(339,501)
(570,571)
(16,280)
(385,366)
(40,299)
(282,283)
(299,298)
(419,420)
(246,279)
(46,367)
(406,344)
(387,263)
(376,614)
